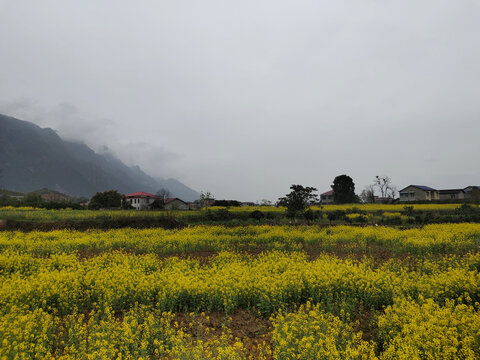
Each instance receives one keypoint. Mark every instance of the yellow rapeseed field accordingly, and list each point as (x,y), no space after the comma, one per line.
(441,238)
(117,295)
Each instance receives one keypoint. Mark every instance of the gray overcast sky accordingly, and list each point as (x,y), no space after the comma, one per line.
(244,98)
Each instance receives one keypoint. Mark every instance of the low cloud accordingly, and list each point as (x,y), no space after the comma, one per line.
(66,119)
(152,158)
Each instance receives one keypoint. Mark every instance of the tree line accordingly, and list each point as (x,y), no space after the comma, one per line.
(302,197)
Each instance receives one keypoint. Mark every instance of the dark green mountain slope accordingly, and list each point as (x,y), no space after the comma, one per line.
(32,157)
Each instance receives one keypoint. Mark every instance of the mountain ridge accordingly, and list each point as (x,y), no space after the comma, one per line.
(32,157)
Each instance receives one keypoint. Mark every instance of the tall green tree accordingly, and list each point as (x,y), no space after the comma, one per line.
(344,190)
(475,195)
(298,200)
(33,200)
(106,199)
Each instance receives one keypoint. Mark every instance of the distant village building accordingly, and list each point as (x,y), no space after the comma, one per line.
(141,200)
(247,203)
(175,204)
(193,205)
(327,197)
(209,202)
(383,200)
(418,193)
(426,193)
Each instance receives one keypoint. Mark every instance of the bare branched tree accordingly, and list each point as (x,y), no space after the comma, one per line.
(384,185)
(205,198)
(163,193)
(392,192)
(368,194)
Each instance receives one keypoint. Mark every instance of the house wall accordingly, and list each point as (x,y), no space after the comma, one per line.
(140,203)
(455,196)
(433,195)
(326,199)
(176,205)
(412,193)
(416,194)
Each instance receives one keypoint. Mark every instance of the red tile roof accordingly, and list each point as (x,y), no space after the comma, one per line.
(327,193)
(141,194)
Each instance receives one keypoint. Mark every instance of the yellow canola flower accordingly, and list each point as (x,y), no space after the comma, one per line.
(311,333)
(426,330)
(431,239)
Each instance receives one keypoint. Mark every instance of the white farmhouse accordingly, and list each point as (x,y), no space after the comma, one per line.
(141,200)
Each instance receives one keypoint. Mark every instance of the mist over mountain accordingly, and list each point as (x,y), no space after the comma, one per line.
(32,157)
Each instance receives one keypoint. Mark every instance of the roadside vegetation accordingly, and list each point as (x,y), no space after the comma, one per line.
(31,218)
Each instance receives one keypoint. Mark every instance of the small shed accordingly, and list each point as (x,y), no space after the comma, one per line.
(175,204)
